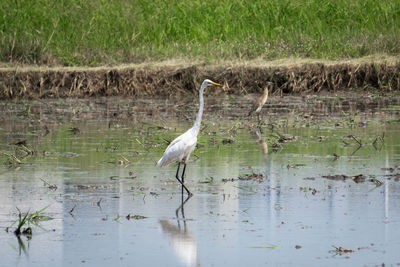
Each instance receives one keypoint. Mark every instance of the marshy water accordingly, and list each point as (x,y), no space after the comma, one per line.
(317,184)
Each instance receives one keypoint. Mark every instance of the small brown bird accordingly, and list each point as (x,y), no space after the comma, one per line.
(257,106)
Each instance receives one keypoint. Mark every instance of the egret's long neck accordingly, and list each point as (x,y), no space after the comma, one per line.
(200,113)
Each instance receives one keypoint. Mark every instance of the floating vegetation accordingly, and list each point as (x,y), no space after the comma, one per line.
(22,220)
(285,138)
(21,151)
(228,141)
(259,177)
(124,161)
(48,185)
(251,190)
(342,250)
(295,166)
(12,159)
(116,219)
(208,180)
(392,108)
(135,217)
(74,130)
(396,176)
(28,219)
(308,189)
(270,247)
(356,178)
(38,216)
(224,180)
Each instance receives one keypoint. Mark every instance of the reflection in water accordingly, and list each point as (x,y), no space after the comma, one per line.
(257,136)
(182,243)
(21,246)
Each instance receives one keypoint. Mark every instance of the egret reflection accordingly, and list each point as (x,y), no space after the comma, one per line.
(179,239)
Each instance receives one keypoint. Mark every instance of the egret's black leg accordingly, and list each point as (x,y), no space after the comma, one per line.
(183,180)
(183,173)
(177,172)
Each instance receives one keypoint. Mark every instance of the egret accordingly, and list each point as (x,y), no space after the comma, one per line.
(259,103)
(180,148)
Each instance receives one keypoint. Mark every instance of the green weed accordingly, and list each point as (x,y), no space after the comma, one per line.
(28,219)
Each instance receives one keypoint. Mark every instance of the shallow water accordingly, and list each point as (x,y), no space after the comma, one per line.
(289,214)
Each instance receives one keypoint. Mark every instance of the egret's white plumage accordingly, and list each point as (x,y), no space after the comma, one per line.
(180,148)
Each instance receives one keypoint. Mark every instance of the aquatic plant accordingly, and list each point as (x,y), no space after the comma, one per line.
(27,219)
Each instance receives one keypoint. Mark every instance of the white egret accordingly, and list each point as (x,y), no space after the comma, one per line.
(180,148)
(259,103)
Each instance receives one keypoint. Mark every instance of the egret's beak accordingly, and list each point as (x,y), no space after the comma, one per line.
(213,83)
(216,84)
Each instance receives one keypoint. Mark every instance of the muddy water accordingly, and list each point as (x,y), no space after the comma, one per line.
(320,172)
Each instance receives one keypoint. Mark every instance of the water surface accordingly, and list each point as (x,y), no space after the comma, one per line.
(260,196)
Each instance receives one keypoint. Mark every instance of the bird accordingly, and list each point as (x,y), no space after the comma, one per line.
(259,103)
(180,148)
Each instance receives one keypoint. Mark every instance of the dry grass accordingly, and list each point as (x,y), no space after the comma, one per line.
(176,78)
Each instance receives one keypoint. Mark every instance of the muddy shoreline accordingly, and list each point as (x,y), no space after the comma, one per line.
(184,79)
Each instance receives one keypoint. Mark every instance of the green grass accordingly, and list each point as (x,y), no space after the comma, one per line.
(100,32)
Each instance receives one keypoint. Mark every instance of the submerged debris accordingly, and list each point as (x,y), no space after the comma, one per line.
(356,178)
(228,141)
(259,177)
(309,189)
(12,159)
(286,138)
(48,185)
(271,247)
(342,250)
(337,177)
(72,210)
(224,180)
(21,143)
(208,180)
(396,176)
(135,217)
(359,178)
(74,130)
(341,177)
(294,166)
(389,169)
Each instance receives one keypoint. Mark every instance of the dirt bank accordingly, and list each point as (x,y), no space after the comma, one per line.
(165,79)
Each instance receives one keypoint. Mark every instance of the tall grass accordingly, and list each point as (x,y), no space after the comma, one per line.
(97,32)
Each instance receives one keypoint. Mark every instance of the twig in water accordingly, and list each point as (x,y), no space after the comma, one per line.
(11,158)
(72,210)
(381,138)
(358,141)
(99,202)
(49,186)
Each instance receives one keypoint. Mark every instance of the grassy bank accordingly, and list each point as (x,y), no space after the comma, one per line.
(99,32)
(147,80)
